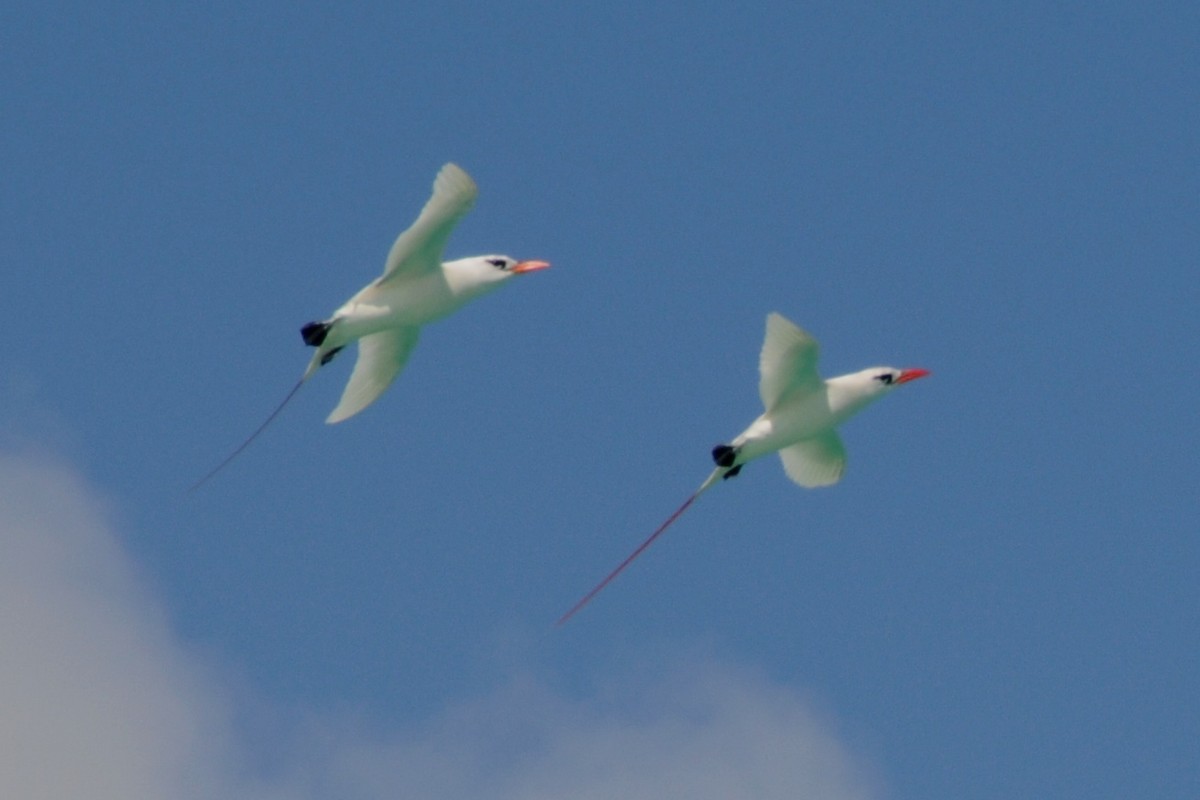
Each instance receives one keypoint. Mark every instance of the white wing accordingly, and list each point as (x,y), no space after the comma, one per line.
(381,356)
(788,361)
(819,461)
(419,249)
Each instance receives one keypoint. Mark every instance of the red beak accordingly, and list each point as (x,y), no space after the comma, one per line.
(529,266)
(907,375)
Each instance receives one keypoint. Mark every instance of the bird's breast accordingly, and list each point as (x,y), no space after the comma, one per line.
(399,303)
(790,422)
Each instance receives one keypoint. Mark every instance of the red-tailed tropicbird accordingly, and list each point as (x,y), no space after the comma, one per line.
(800,421)
(386,316)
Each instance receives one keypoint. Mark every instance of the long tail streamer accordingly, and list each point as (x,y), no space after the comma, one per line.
(251,438)
(641,548)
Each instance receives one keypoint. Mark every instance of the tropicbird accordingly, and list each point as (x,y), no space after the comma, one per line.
(386,316)
(800,421)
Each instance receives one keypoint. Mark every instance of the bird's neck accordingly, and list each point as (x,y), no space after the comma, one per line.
(465,280)
(846,396)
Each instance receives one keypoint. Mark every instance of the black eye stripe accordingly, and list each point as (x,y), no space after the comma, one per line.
(886,377)
(497,262)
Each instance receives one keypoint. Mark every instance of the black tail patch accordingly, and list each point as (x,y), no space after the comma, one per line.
(732,473)
(325,359)
(724,455)
(314,333)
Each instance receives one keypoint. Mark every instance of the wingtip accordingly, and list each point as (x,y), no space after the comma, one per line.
(453,172)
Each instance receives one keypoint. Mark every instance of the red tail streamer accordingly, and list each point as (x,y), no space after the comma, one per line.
(641,548)
(251,438)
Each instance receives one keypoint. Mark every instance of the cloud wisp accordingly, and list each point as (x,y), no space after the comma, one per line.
(100,699)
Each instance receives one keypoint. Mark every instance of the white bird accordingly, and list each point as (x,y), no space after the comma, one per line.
(416,287)
(800,421)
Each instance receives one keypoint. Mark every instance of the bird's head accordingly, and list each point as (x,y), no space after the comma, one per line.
(859,388)
(479,274)
(884,379)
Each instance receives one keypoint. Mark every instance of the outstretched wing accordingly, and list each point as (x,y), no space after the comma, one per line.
(788,361)
(819,461)
(419,249)
(381,356)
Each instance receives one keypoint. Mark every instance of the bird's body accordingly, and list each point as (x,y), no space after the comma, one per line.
(417,301)
(800,416)
(416,287)
(800,419)
(414,302)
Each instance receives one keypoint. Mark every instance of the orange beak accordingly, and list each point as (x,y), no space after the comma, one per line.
(911,375)
(529,266)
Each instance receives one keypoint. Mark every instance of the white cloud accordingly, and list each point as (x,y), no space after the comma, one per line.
(96,700)
(99,699)
(712,732)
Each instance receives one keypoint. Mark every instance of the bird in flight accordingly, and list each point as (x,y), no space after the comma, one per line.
(800,421)
(385,317)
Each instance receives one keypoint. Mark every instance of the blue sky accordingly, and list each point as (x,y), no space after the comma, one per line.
(999,599)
